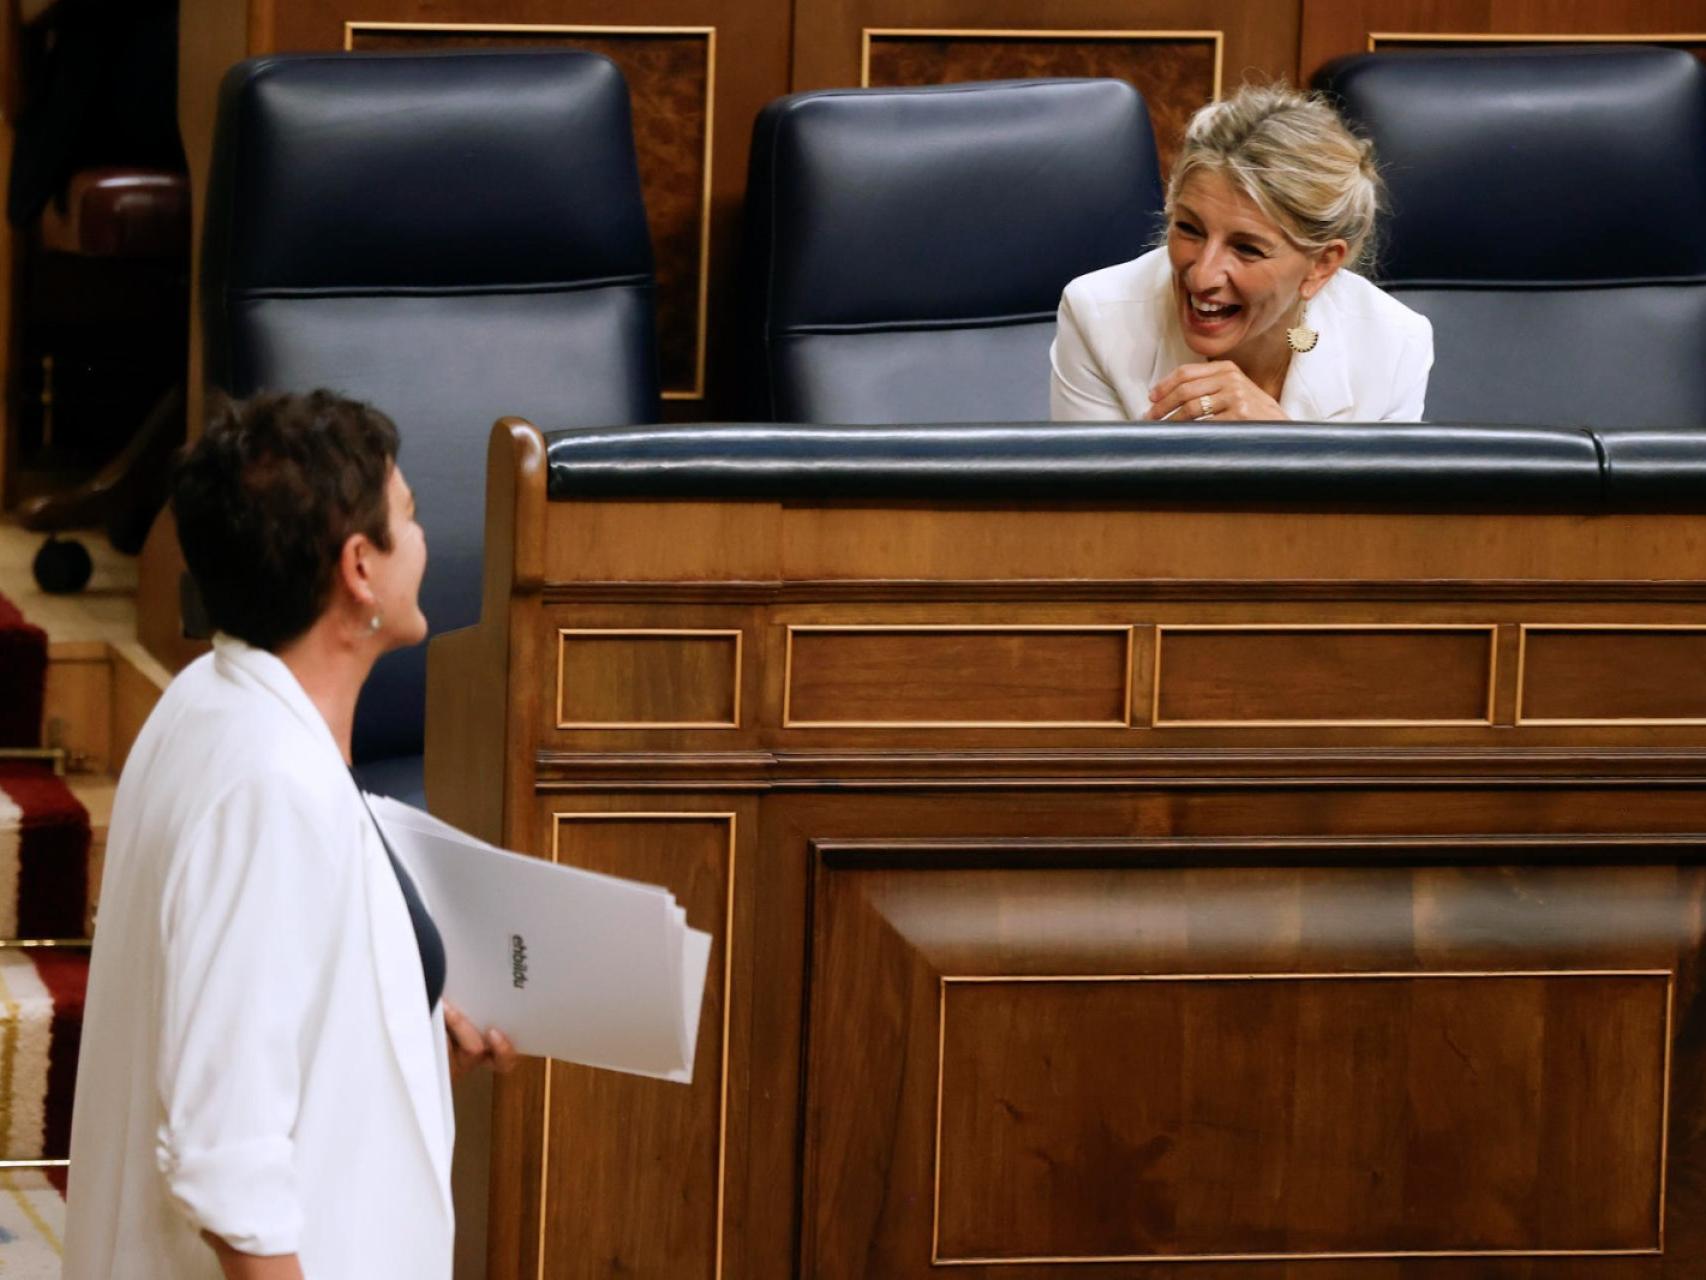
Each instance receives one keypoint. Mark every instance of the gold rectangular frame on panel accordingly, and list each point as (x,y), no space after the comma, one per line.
(732,723)
(856,628)
(1525,628)
(1377,38)
(697,391)
(867,34)
(944,981)
(1491,630)
(682,815)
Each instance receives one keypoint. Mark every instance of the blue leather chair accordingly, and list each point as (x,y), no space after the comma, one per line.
(1547,216)
(451,238)
(908,247)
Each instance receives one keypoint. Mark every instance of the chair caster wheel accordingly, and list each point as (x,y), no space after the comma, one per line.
(62,567)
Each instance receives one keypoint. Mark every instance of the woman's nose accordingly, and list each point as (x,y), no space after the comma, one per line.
(1207,271)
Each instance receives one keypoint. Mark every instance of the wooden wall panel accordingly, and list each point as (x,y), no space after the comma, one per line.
(639,678)
(1331,28)
(1162,46)
(1038,1055)
(1349,674)
(1176,72)
(1091,1134)
(1612,674)
(958,676)
(669,1140)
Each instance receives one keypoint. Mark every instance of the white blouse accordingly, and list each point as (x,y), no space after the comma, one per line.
(1118,335)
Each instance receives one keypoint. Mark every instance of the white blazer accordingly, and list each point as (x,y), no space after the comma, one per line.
(258,1059)
(1118,335)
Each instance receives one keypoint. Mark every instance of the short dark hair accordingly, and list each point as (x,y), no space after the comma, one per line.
(267,497)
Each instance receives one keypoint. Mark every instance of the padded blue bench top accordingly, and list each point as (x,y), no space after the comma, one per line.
(1396,466)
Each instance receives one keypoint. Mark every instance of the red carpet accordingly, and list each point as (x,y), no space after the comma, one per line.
(44,872)
(23,673)
(44,854)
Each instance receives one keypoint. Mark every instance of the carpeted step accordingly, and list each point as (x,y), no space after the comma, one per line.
(41,1022)
(44,854)
(23,678)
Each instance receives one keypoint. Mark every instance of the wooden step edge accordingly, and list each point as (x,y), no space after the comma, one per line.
(98,695)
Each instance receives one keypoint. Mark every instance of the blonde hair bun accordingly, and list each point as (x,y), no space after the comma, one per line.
(1292,155)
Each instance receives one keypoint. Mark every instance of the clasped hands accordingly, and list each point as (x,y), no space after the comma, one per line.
(1221,391)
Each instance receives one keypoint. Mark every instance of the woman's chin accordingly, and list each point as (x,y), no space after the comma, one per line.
(1209,348)
(407,637)
(1216,344)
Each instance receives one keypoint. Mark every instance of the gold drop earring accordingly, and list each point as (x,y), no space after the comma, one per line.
(1300,337)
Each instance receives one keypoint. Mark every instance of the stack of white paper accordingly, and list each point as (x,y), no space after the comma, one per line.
(568,963)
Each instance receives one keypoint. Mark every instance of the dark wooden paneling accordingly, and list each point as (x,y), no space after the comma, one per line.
(1084,1119)
(1175,74)
(1235,676)
(1260,38)
(635,678)
(669,81)
(1331,28)
(1472,1111)
(1613,674)
(667,1150)
(958,676)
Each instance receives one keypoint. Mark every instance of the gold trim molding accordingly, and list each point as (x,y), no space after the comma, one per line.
(697,391)
(1627,722)
(1377,38)
(868,34)
(651,633)
(944,981)
(968,628)
(680,815)
(1487,721)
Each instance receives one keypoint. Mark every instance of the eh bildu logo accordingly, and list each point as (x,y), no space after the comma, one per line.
(517,961)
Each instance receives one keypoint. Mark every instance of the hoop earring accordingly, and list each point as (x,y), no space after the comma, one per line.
(1300,337)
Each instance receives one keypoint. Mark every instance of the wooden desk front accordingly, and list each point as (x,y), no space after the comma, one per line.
(1108,892)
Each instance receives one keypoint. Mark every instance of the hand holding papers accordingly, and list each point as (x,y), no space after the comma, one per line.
(568,963)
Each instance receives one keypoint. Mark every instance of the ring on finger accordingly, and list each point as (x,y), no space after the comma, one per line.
(1207,407)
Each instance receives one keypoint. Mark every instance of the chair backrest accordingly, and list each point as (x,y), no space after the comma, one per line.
(1547,215)
(908,247)
(451,238)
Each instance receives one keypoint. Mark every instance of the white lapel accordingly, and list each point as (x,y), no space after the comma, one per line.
(417,1042)
(1171,350)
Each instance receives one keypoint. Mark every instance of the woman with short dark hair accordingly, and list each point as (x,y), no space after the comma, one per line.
(263,1088)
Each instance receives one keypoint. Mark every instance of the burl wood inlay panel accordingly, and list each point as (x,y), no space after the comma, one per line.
(669,1155)
(1388,41)
(624,679)
(1594,675)
(1080,1119)
(1284,675)
(1176,72)
(954,676)
(669,78)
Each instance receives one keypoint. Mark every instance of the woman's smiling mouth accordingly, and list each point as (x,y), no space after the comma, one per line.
(1206,316)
